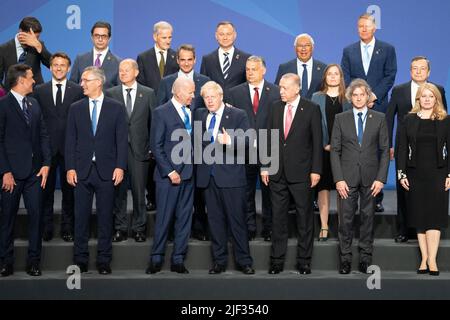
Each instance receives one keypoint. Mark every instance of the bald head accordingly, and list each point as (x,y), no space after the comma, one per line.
(128,71)
(183,90)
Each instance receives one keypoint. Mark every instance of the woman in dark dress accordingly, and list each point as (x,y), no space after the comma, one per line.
(331,100)
(424,171)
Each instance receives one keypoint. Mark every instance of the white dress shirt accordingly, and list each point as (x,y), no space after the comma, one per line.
(178,107)
(55,89)
(189,75)
(19,48)
(99,109)
(219,114)
(294,110)
(356,118)
(222,56)
(18,97)
(260,87)
(132,93)
(158,55)
(369,49)
(102,57)
(309,69)
(414,88)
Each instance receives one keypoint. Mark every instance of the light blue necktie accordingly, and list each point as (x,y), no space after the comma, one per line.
(187,122)
(94,117)
(304,90)
(212,123)
(366,58)
(360,128)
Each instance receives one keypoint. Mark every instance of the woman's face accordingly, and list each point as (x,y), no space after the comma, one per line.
(333,77)
(427,100)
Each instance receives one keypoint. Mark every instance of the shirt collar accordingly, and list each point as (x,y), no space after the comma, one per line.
(363,110)
(308,63)
(55,82)
(133,86)
(104,52)
(189,75)
(18,96)
(231,52)
(371,43)
(99,100)
(259,86)
(295,102)
(157,49)
(18,45)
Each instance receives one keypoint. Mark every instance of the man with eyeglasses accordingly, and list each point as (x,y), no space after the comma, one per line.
(100,56)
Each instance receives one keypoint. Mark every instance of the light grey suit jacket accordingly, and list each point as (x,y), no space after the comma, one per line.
(110,66)
(140,120)
(360,164)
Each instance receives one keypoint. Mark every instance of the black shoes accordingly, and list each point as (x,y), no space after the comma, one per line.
(67,236)
(47,236)
(104,269)
(401,238)
(362,267)
(247,269)
(322,236)
(153,268)
(275,269)
(423,271)
(6,270)
(251,235)
(434,273)
(34,270)
(304,268)
(140,236)
(379,207)
(179,268)
(217,268)
(119,236)
(346,268)
(267,235)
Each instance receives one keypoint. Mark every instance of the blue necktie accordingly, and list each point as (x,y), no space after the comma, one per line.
(94,117)
(26,111)
(22,57)
(187,122)
(304,91)
(366,58)
(360,128)
(212,123)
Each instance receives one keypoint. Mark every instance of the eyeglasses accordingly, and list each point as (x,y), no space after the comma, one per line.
(101,36)
(87,80)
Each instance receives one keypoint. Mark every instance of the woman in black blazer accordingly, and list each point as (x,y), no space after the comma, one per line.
(424,171)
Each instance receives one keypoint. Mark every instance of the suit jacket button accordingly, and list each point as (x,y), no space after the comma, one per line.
(284,144)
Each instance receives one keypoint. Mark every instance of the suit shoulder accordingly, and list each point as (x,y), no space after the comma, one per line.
(210,55)
(242,53)
(115,57)
(162,108)
(145,89)
(80,103)
(351,46)
(319,63)
(5,45)
(287,64)
(238,88)
(384,44)
(111,101)
(145,54)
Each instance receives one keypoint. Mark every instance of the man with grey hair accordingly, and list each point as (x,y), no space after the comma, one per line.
(360,162)
(309,70)
(174,177)
(139,102)
(96,156)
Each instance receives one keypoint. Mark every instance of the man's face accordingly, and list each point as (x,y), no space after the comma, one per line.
(288,90)
(127,73)
(366,30)
(185,94)
(420,71)
(186,60)
(163,38)
(304,49)
(27,82)
(59,68)
(359,98)
(212,99)
(225,36)
(254,72)
(91,85)
(100,38)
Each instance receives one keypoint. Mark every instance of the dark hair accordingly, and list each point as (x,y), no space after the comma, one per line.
(102,24)
(224,23)
(417,58)
(186,47)
(15,72)
(32,23)
(60,55)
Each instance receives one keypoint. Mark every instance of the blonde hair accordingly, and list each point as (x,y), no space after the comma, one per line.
(438,108)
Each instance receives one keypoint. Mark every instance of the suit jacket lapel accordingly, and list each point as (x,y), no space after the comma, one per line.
(296,119)
(17,106)
(217,62)
(137,102)
(368,127)
(352,127)
(408,95)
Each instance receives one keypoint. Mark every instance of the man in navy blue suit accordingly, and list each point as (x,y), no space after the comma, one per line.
(224,182)
(24,165)
(96,157)
(374,61)
(173,176)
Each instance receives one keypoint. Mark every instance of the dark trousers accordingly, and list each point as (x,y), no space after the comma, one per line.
(31,190)
(151,193)
(49,196)
(347,210)
(227,216)
(174,203)
(199,218)
(104,195)
(136,176)
(402,214)
(301,193)
(252,172)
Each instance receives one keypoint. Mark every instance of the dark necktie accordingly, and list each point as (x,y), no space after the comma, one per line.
(162,64)
(22,57)
(226,65)
(212,123)
(129,102)
(187,121)
(58,102)
(304,91)
(255,100)
(97,62)
(360,128)
(26,111)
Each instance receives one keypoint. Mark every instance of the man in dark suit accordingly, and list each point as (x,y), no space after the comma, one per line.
(100,56)
(24,165)
(154,64)
(221,174)
(139,102)
(173,175)
(299,151)
(403,98)
(374,61)
(255,97)
(25,48)
(360,162)
(309,70)
(55,98)
(96,157)
(225,65)
(159,61)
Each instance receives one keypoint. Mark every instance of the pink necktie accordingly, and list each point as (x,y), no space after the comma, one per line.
(97,61)
(288,121)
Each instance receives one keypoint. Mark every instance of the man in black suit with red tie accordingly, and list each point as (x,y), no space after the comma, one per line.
(298,123)
(255,97)
(225,65)
(55,98)
(402,100)
(25,48)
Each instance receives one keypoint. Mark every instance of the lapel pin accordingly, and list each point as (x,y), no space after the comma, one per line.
(237,56)
(267,89)
(173,57)
(226,117)
(318,68)
(140,95)
(109,58)
(370,116)
(301,109)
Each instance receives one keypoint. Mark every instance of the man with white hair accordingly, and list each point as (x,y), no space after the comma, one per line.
(308,69)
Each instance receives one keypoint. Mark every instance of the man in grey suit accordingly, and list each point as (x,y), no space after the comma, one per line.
(100,56)
(360,162)
(139,101)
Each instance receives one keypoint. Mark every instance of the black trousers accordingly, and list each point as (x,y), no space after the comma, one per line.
(151,194)
(301,193)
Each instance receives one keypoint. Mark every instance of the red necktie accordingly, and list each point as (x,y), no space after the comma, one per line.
(255,100)
(288,121)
